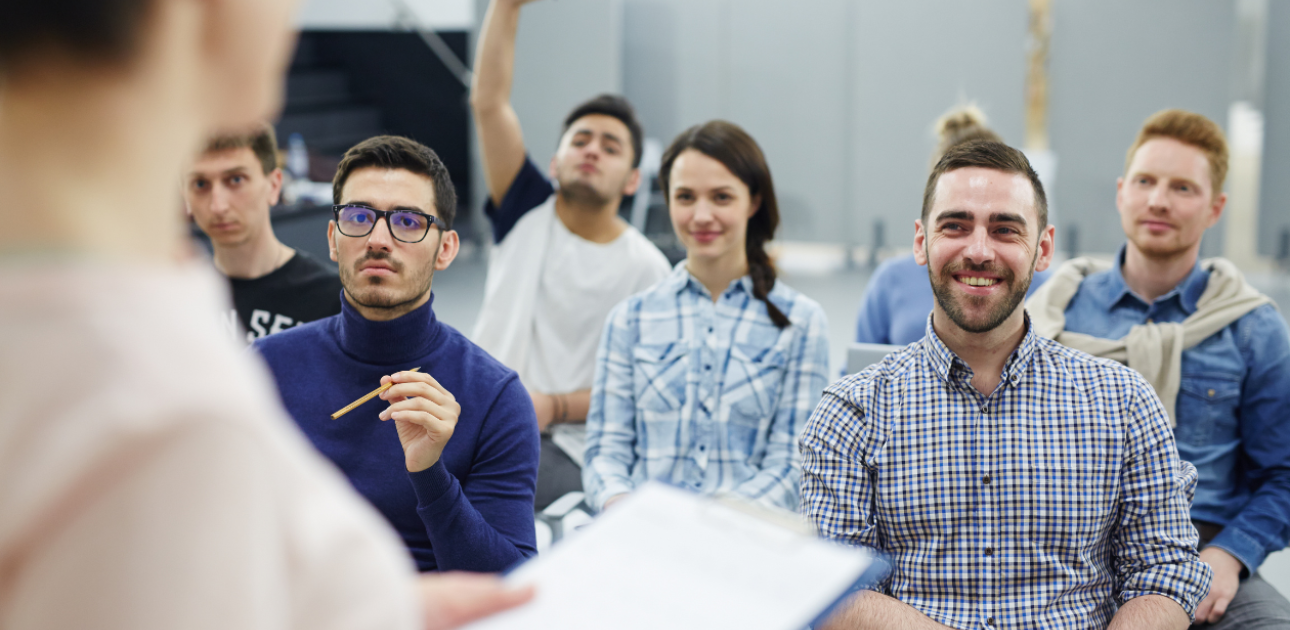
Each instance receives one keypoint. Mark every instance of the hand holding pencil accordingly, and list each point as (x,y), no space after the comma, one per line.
(424,413)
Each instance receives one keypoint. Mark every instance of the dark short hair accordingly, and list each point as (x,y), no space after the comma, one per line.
(617,107)
(404,153)
(260,140)
(986,154)
(90,30)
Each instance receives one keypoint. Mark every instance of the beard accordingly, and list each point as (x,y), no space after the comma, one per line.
(955,306)
(381,292)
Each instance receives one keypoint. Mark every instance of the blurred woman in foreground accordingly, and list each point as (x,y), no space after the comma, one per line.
(148,477)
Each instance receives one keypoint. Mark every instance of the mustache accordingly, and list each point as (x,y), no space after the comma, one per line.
(378,255)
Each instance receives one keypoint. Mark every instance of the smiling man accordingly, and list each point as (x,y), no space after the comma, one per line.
(562,257)
(1013,482)
(228,191)
(1216,350)
(455,471)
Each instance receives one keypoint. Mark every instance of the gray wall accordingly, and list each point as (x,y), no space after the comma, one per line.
(1274,199)
(841,94)
(1113,64)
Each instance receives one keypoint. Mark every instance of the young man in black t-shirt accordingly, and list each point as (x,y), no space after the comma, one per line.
(228,192)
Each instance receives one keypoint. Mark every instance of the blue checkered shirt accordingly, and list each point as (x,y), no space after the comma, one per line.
(1047,504)
(709,396)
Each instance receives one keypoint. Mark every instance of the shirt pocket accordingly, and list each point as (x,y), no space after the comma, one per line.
(659,372)
(1206,408)
(752,384)
(1068,508)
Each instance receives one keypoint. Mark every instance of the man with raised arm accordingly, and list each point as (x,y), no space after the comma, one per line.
(229,190)
(454,472)
(1013,482)
(562,257)
(1216,350)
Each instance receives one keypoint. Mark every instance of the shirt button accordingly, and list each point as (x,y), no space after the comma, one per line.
(986,480)
(989,621)
(709,329)
(1211,393)
(707,367)
(989,551)
(703,447)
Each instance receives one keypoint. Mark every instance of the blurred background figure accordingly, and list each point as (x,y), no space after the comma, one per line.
(228,191)
(170,490)
(705,380)
(561,257)
(898,297)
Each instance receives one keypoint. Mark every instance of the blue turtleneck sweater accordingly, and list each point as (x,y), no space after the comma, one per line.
(472,510)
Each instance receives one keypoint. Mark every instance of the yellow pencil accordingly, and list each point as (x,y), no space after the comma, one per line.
(350,407)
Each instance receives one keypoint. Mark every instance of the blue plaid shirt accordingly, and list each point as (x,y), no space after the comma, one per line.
(1046,504)
(707,396)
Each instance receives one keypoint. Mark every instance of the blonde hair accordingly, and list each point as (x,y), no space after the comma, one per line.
(1191,129)
(961,125)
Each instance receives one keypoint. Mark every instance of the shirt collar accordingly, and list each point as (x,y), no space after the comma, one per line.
(944,360)
(1187,292)
(386,343)
(682,279)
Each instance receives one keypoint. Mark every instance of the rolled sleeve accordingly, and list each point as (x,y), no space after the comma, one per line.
(611,418)
(1154,542)
(837,490)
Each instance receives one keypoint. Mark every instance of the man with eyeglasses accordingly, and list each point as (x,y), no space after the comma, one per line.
(455,471)
(228,191)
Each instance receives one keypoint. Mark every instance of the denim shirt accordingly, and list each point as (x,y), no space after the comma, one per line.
(1233,407)
(709,396)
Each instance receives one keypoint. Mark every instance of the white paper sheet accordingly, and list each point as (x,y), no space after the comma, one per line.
(665,558)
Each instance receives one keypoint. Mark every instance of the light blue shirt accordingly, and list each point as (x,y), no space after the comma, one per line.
(708,396)
(899,298)
(1233,406)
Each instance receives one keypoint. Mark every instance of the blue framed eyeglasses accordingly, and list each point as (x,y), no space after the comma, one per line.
(408,226)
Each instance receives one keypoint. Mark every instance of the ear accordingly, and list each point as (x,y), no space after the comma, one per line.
(550,168)
(754,204)
(920,243)
(449,245)
(1216,209)
(331,240)
(1047,247)
(1119,194)
(633,182)
(275,186)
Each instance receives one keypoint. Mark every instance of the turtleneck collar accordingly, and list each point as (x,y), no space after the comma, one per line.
(387,343)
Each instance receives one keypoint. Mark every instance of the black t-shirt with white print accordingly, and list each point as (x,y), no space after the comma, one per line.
(302,290)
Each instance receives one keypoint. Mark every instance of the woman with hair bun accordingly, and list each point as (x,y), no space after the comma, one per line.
(706,380)
(898,298)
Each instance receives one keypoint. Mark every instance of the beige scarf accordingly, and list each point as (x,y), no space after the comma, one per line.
(1154,349)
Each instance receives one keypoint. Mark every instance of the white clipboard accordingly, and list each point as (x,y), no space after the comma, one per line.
(666,558)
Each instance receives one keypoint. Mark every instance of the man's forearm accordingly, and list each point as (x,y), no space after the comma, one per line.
(495,56)
(868,609)
(571,408)
(1150,612)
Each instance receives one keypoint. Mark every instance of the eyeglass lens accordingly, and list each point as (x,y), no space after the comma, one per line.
(405,226)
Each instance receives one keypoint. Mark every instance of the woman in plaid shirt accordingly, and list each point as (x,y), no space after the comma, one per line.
(706,379)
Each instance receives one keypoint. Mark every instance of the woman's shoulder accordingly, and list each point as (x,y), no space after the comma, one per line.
(798,306)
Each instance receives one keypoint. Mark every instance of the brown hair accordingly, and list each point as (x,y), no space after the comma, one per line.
(404,153)
(725,142)
(1188,128)
(91,30)
(960,125)
(260,140)
(992,155)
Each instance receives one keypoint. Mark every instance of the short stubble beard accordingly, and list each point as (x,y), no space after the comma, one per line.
(371,293)
(994,318)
